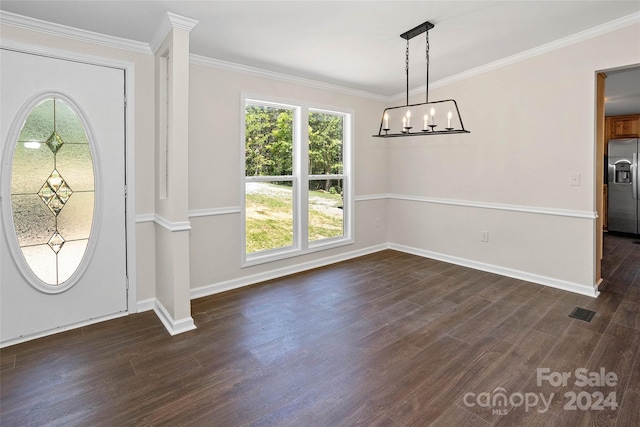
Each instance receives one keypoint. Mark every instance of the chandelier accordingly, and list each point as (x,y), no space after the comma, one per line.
(431,118)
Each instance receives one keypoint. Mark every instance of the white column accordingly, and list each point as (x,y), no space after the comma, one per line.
(171,47)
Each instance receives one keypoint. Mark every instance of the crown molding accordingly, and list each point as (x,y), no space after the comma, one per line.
(590,33)
(181,22)
(176,21)
(287,78)
(171,21)
(50,28)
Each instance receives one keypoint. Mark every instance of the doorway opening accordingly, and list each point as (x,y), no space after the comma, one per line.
(617,116)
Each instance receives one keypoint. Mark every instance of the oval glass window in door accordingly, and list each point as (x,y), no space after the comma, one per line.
(52,191)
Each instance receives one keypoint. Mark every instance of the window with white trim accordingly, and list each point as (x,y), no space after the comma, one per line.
(297,179)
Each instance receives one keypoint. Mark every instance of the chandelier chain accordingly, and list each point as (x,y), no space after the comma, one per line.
(406,58)
(427,59)
(406,66)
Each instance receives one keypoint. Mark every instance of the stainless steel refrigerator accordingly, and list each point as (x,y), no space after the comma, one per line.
(622,186)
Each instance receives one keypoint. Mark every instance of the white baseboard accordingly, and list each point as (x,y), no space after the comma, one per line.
(598,285)
(145,305)
(228,285)
(174,327)
(503,271)
(183,325)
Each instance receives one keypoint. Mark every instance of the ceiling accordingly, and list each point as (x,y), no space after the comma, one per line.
(354,44)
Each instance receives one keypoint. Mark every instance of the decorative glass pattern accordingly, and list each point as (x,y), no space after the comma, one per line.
(55,192)
(52,156)
(55,142)
(56,242)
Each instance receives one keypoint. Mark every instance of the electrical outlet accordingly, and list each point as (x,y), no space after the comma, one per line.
(575,179)
(485,236)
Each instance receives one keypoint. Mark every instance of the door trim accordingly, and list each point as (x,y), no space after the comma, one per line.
(599,175)
(129,123)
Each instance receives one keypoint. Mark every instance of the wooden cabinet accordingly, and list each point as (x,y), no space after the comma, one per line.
(618,127)
(624,126)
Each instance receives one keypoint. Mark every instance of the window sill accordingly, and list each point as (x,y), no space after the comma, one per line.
(291,252)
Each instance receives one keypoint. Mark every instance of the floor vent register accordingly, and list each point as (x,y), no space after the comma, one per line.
(582,314)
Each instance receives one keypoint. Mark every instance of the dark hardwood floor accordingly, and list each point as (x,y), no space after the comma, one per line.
(388,339)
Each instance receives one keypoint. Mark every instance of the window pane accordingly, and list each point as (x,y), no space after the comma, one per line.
(68,125)
(269,141)
(52,191)
(325,143)
(42,261)
(70,258)
(74,221)
(31,161)
(326,214)
(269,215)
(39,126)
(75,160)
(33,220)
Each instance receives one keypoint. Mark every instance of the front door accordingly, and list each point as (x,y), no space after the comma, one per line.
(62,233)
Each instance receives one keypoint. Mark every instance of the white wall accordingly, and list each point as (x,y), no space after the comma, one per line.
(532,125)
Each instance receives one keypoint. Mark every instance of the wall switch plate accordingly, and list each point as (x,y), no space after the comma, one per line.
(575,179)
(485,236)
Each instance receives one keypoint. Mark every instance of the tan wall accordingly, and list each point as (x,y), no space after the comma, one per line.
(215,178)
(532,125)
